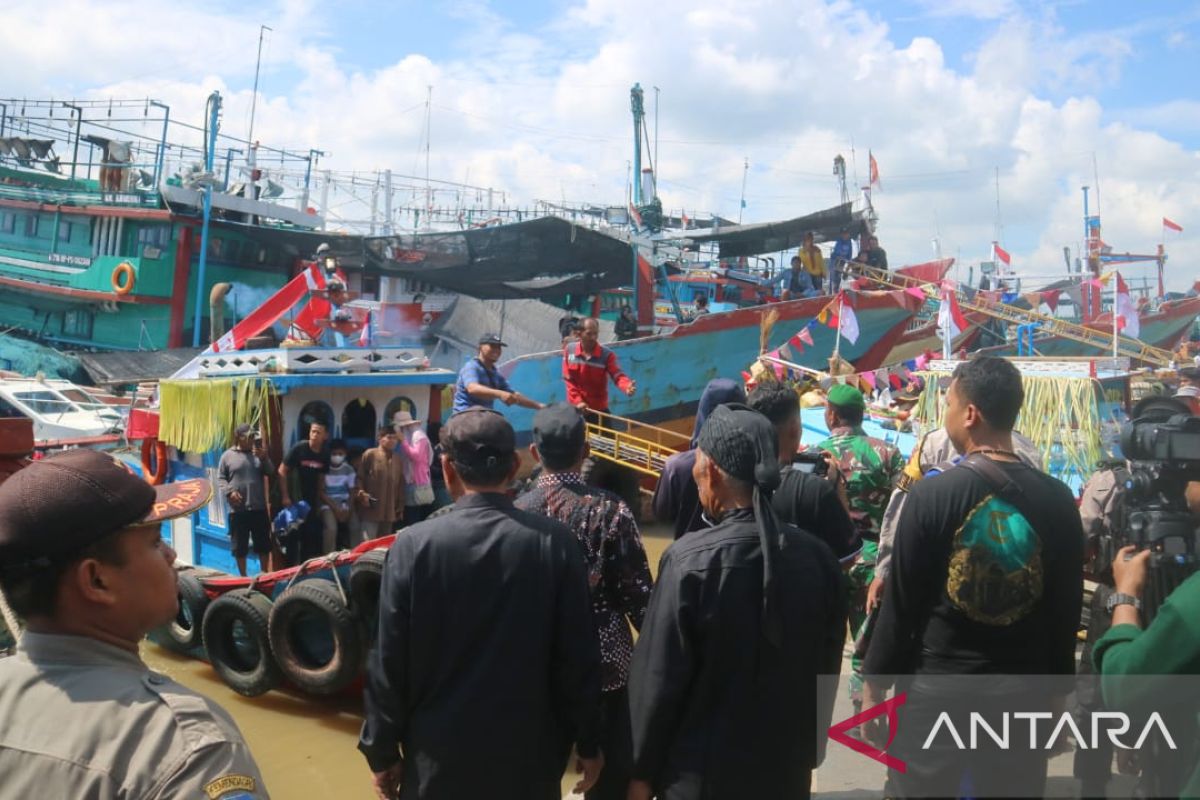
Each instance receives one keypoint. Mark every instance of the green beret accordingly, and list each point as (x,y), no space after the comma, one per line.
(843,394)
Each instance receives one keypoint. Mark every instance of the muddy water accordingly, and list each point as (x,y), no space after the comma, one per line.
(305,746)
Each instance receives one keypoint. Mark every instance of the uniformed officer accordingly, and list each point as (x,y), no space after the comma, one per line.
(83,564)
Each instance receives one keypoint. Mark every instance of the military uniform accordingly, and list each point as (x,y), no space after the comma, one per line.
(81,718)
(872,468)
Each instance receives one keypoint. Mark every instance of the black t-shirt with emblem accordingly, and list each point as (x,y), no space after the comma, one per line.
(981,583)
(310,467)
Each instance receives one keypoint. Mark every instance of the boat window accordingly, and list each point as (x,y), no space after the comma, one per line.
(78,322)
(315,411)
(358,424)
(43,402)
(8,222)
(733,294)
(64,231)
(9,411)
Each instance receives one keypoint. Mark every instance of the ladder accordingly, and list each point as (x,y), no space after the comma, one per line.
(641,447)
(1129,348)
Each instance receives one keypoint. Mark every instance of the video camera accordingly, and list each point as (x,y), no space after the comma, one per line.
(812,461)
(1162,444)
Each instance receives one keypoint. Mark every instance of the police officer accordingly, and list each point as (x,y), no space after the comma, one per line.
(83,564)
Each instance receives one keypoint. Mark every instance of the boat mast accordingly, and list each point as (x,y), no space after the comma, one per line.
(254,97)
(210,152)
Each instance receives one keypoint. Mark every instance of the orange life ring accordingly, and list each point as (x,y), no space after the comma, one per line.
(123,278)
(158,449)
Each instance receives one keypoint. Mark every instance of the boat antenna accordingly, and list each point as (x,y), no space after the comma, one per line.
(656,172)
(428,117)
(257,66)
(745,172)
(1096,180)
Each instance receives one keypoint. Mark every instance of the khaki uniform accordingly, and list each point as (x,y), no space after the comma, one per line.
(83,719)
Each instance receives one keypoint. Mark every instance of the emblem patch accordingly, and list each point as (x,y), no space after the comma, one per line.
(995,572)
(221,787)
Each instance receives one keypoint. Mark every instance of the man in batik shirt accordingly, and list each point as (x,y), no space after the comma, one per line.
(872,468)
(618,574)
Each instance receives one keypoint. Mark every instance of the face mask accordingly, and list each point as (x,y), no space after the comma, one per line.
(337,460)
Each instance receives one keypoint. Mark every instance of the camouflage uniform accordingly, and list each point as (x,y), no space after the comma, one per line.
(872,467)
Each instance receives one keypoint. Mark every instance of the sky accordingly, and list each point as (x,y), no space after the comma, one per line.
(985,116)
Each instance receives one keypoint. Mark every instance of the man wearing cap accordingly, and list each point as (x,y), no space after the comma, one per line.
(587,368)
(872,468)
(618,574)
(723,691)
(242,476)
(83,563)
(486,668)
(480,384)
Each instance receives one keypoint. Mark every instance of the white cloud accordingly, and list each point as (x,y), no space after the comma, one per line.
(544,114)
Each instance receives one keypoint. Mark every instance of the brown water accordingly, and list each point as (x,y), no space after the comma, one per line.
(306,746)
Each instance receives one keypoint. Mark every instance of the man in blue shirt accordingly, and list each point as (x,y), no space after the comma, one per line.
(481,384)
(842,254)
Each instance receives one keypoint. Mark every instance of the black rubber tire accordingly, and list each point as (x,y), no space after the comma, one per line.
(317,602)
(366,576)
(184,633)
(249,669)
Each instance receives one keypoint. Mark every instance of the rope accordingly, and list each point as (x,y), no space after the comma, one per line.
(10,619)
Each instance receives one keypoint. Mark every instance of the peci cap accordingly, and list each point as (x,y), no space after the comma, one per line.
(243,429)
(560,430)
(491,338)
(54,508)
(473,436)
(843,394)
(1188,391)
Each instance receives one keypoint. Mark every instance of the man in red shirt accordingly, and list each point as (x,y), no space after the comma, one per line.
(587,367)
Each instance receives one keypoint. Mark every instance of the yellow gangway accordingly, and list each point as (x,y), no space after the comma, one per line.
(641,447)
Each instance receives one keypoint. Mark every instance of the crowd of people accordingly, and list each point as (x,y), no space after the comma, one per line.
(506,625)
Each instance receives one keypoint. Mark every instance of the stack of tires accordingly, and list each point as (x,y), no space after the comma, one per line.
(311,636)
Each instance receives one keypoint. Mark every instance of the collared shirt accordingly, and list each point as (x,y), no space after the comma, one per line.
(872,467)
(618,573)
(843,251)
(487,666)
(82,718)
(475,371)
(242,472)
(716,710)
(586,375)
(381,475)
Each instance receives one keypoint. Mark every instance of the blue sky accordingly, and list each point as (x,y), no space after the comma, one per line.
(531,98)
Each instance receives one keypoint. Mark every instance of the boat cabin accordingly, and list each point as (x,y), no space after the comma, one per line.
(62,413)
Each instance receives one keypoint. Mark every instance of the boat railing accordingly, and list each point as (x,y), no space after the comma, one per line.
(293,360)
(75,197)
(641,447)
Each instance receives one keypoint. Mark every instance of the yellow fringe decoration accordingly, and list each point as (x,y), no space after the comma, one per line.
(198,416)
(1060,416)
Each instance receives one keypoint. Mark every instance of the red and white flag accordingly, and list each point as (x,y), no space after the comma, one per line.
(635,219)
(874,170)
(364,336)
(950,320)
(686,222)
(1002,254)
(271,310)
(1127,318)
(1172,226)
(848,323)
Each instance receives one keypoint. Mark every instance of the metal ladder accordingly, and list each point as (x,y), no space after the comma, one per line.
(1130,348)
(641,447)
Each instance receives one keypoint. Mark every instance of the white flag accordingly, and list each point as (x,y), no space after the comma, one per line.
(848,324)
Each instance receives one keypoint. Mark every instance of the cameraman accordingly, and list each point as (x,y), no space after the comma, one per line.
(1169,646)
(805,499)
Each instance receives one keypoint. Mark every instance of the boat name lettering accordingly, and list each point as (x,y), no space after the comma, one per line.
(63,258)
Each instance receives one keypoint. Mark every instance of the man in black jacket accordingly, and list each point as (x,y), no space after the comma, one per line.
(487,666)
(723,691)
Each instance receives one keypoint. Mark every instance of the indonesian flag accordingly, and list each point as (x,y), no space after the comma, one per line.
(874,169)
(1173,226)
(635,219)
(848,324)
(950,320)
(1002,254)
(364,336)
(1127,318)
(686,222)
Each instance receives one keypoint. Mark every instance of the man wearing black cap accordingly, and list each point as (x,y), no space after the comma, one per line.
(723,690)
(480,384)
(83,564)
(242,476)
(486,667)
(618,574)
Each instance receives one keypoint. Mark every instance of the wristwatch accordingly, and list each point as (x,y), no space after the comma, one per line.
(1121,599)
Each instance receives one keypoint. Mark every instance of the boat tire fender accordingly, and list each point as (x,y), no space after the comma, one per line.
(123,278)
(243,660)
(153,448)
(366,576)
(184,632)
(307,607)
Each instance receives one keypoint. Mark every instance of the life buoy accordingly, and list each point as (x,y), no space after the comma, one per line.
(158,450)
(317,642)
(366,576)
(123,278)
(183,633)
(236,642)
